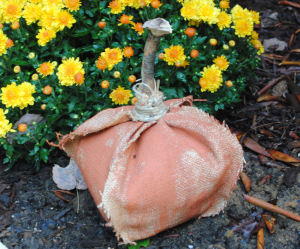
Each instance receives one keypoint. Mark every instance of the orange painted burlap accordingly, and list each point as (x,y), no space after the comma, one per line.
(147,177)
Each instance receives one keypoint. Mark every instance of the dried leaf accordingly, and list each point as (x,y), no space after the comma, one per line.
(270,222)
(273,56)
(270,163)
(246,181)
(270,207)
(289,3)
(270,84)
(59,194)
(275,44)
(280,156)
(68,178)
(297,63)
(253,145)
(267,97)
(293,37)
(266,132)
(260,239)
(296,50)
(294,144)
(294,135)
(264,179)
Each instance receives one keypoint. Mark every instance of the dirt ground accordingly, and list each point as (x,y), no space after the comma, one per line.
(33,217)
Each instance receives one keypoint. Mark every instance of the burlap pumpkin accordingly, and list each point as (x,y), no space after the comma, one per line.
(146,177)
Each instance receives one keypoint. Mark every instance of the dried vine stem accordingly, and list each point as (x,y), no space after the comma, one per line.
(148,60)
(271,207)
(158,27)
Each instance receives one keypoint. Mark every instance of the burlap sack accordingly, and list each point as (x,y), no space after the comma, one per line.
(147,177)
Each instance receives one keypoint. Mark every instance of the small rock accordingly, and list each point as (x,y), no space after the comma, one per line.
(274,44)
(290,177)
(4,199)
(280,89)
(49,224)
(269,19)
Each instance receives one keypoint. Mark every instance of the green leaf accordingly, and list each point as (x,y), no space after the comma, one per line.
(181,76)
(44,155)
(140,244)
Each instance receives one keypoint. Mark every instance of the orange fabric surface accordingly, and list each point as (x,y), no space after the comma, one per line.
(147,177)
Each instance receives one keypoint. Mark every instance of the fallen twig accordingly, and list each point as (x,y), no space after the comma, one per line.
(246,181)
(270,207)
(270,222)
(289,3)
(59,194)
(260,239)
(270,84)
(293,37)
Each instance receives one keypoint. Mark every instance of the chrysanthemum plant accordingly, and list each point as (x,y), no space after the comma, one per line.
(68,59)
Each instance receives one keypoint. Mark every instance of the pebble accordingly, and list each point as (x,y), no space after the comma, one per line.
(49,224)
(5,199)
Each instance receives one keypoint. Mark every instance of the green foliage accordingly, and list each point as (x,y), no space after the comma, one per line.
(68,107)
(140,244)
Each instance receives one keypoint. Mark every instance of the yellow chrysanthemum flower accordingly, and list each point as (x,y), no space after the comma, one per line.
(18,95)
(242,21)
(125,19)
(5,126)
(243,27)
(255,16)
(70,72)
(32,13)
(254,35)
(72,5)
(200,10)
(10,95)
(45,35)
(35,1)
(182,64)
(25,93)
(112,56)
(238,13)
(116,6)
(224,20)
(48,18)
(174,54)
(211,79)
(64,19)
(3,42)
(136,3)
(46,68)
(221,62)
(12,10)
(53,3)
(258,45)
(120,96)
(138,27)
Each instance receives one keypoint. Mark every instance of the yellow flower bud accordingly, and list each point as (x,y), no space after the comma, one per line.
(31,55)
(17,69)
(15,25)
(117,74)
(43,106)
(231,43)
(225,47)
(229,83)
(54,63)
(35,77)
(213,41)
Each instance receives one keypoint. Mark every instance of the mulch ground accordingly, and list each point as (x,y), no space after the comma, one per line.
(34,215)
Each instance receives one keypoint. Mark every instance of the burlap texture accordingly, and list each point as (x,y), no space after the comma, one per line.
(147,177)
